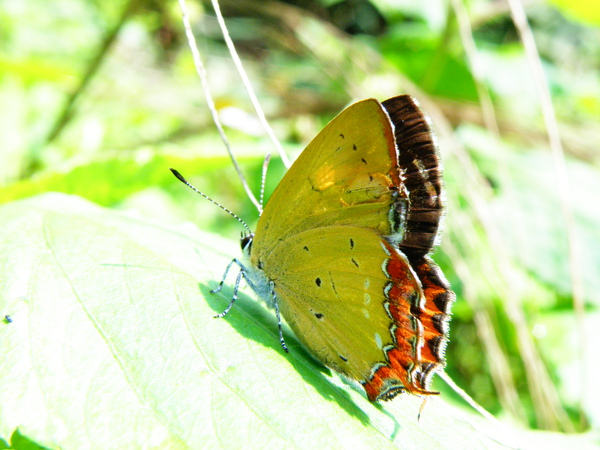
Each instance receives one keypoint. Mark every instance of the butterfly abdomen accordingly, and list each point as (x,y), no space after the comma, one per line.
(420,164)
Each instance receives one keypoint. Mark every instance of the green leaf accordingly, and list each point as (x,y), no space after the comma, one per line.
(586,11)
(20,442)
(113,345)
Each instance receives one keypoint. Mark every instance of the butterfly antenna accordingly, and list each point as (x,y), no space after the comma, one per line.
(188,184)
(263,180)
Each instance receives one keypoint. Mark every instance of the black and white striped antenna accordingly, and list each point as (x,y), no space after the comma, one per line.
(188,184)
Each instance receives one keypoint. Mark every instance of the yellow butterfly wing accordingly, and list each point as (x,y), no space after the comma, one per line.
(348,174)
(352,298)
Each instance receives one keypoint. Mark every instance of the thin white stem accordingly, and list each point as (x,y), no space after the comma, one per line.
(466,36)
(562,181)
(201,70)
(240,68)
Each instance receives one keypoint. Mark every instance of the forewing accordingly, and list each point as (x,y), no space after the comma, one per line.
(348,175)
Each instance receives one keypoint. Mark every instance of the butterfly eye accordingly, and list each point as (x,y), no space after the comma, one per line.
(246,242)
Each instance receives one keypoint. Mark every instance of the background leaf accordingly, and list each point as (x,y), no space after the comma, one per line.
(139,358)
(98,99)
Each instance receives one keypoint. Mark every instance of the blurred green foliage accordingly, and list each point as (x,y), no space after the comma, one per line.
(98,99)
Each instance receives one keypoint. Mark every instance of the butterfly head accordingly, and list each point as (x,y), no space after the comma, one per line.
(246,242)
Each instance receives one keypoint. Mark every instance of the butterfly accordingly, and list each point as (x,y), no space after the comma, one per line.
(341,250)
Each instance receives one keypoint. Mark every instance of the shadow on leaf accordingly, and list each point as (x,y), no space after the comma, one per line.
(252,321)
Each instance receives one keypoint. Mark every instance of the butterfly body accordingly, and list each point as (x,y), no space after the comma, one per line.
(341,248)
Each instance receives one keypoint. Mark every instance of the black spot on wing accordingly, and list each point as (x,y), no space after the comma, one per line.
(318,282)
(318,315)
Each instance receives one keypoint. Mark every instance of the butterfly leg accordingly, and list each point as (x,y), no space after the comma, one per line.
(238,280)
(220,286)
(278,315)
